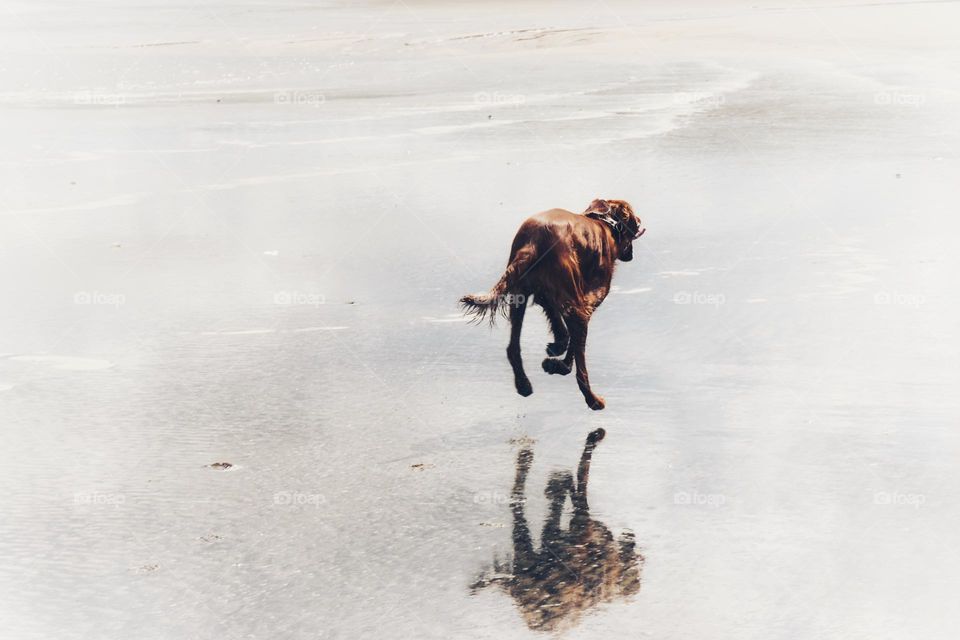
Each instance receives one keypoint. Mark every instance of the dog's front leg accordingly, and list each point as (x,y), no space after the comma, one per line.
(561,338)
(578,345)
(579,495)
(558,324)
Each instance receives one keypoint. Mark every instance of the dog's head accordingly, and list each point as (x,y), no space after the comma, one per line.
(619,216)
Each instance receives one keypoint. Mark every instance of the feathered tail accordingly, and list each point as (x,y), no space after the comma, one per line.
(505,293)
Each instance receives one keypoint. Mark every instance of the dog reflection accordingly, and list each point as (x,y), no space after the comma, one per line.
(575,569)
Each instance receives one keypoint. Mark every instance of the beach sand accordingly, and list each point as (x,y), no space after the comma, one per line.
(237,232)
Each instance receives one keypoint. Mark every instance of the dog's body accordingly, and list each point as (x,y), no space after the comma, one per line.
(565,261)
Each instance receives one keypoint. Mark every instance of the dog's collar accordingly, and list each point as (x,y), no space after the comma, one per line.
(606,219)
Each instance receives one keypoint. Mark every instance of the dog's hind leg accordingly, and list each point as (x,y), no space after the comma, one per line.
(524,557)
(561,338)
(520,379)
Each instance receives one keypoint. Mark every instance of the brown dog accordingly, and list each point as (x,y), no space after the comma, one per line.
(566,262)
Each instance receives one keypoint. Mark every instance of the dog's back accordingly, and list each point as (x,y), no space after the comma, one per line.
(555,253)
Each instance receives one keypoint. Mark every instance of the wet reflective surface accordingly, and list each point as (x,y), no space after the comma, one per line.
(235,234)
(577,566)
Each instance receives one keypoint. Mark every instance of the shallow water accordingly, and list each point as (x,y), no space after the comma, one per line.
(233,234)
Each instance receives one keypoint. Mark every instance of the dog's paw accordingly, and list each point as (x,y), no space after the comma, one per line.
(554,366)
(596,436)
(557,348)
(596,403)
(524,387)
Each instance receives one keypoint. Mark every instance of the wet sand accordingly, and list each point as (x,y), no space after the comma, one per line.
(234,233)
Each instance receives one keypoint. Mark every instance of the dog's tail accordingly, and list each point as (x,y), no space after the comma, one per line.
(505,293)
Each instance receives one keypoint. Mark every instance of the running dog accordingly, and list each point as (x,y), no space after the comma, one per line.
(565,261)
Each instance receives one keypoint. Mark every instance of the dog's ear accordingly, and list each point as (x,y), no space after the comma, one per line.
(597,209)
